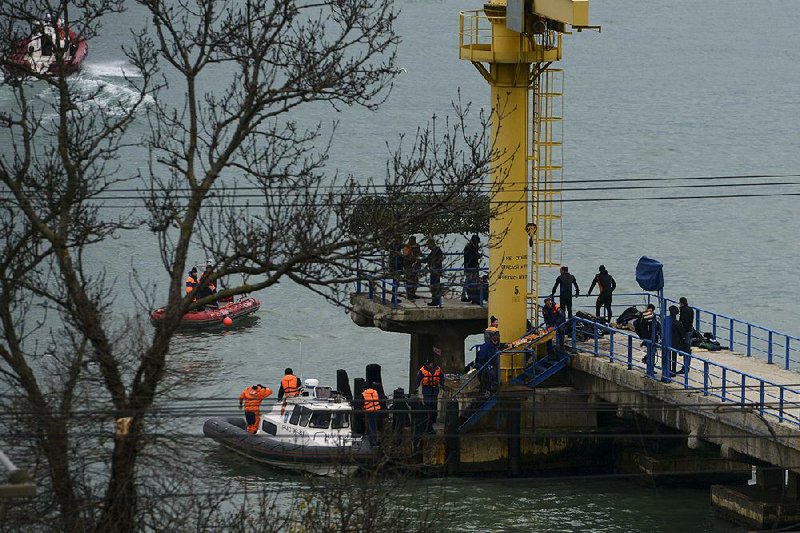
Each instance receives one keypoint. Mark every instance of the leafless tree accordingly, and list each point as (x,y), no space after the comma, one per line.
(230,173)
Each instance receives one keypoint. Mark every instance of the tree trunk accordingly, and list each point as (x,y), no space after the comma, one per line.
(119,511)
(56,448)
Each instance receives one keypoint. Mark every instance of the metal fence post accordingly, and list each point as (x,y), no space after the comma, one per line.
(780,404)
(610,346)
(714,325)
(705,378)
(724,381)
(574,334)
(733,328)
(596,348)
(787,352)
(630,352)
(744,389)
(749,339)
(666,351)
(761,398)
(769,347)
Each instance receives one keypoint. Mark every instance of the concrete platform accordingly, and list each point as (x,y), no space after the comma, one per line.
(437,332)
(755,507)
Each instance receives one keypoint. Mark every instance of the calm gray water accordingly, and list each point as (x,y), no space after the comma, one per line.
(668,89)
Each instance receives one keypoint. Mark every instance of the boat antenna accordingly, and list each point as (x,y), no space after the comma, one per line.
(301,361)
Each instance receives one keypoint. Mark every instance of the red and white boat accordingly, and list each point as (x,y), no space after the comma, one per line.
(209,318)
(50,50)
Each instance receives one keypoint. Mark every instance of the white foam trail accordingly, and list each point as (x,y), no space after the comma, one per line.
(112,69)
(111,98)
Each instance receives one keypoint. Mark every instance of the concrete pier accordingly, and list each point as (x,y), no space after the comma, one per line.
(431,329)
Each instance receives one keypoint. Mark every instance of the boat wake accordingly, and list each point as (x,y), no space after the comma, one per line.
(97,86)
(107,87)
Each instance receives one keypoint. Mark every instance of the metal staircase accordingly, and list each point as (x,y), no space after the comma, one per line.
(533,376)
(537,373)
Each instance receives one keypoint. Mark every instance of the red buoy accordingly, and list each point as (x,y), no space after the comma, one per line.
(227,321)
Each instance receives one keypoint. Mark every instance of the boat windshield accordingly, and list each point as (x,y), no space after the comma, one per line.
(341,419)
(305,415)
(320,420)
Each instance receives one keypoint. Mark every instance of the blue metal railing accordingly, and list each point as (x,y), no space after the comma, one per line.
(715,379)
(739,335)
(386,283)
(749,338)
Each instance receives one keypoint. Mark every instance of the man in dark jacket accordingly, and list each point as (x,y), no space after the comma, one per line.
(486,353)
(472,260)
(553,318)
(678,339)
(606,284)
(687,319)
(435,261)
(431,378)
(566,282)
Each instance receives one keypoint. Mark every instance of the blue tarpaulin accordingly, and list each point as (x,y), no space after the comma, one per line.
(650,274)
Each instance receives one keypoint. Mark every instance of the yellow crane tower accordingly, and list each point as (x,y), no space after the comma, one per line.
(512,43)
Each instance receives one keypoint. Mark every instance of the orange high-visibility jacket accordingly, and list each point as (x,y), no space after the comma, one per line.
(252,397)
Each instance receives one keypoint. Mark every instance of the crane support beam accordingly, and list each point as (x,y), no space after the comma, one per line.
(572,12)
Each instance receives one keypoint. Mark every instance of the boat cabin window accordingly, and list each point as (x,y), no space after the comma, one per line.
(320,420)
(269,427)
(298,409)
(341,419)
(322,393)
(305,415)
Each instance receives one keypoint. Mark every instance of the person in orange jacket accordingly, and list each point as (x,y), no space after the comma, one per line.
(371,407)
(251,399)
(290,385)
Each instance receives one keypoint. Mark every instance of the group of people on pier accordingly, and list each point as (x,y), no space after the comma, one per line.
(407,263)
(603,280)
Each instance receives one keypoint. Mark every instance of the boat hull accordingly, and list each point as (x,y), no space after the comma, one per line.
(22,64)
(210,318)
(281,453)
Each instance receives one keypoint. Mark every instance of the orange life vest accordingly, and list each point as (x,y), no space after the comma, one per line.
(253,397)
(431,379)
(371,400)
(291,385)
(191,283)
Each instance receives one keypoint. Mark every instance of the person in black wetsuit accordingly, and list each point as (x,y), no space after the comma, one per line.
(678,339)
(472,260)
(606,284)
(687,319)
(566,281)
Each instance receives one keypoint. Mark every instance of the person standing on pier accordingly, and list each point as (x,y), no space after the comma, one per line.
(251,399)
(411,258)
(687,319)
(678,340)
(553,318)
(566,281)
(472,260)
(430,377)
(487,377)
(435,261)
(606,284)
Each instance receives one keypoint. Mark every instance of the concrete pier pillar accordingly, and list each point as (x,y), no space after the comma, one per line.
(514,428)
(437,332)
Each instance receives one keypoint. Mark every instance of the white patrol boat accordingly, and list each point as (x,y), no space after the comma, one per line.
(309,433)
